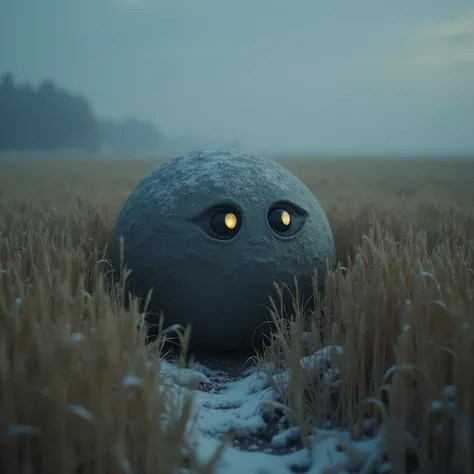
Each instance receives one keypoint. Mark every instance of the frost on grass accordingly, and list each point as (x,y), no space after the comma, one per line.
(183,376)
(313,364)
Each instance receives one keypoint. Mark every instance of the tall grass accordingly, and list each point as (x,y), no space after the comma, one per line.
(81,392)
(79,389)
(402,310)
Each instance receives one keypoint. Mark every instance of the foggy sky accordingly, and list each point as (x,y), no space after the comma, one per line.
(322,76)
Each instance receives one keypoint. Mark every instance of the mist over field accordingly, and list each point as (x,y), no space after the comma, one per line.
(280,78)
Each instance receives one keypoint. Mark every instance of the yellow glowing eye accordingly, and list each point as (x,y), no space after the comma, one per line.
(230,220)
(225,224)
(285,218)
(280,220)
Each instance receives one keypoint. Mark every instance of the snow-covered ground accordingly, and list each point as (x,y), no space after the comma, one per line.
(263,441)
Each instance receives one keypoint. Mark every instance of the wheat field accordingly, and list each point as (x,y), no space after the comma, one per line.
(78,386)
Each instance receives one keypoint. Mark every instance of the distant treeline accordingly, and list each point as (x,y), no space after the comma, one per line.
(48,118)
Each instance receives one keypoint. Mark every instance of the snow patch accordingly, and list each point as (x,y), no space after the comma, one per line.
(263,442)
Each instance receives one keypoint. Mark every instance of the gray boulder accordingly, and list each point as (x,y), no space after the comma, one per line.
(210,232)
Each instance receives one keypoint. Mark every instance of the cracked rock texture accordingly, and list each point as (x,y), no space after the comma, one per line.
(221,287)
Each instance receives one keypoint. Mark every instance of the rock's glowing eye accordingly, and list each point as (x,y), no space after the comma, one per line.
(225,224)
(230,220)
(286,218)
(280,220)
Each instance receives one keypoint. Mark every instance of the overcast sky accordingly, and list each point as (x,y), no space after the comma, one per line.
(290,76)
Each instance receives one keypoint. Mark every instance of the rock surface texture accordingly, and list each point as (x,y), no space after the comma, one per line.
(210,231)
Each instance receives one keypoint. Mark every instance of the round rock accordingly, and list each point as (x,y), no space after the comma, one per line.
(210,232)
